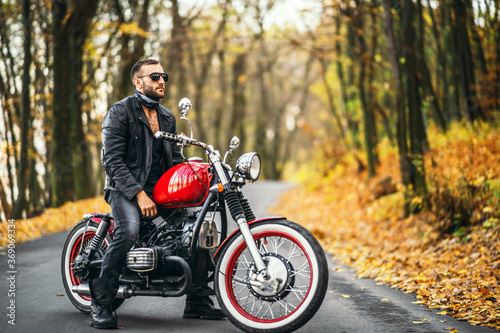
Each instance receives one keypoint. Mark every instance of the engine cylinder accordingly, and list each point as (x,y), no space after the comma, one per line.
(143,259)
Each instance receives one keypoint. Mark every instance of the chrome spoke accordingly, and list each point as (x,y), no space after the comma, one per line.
(246,262)
(286,300)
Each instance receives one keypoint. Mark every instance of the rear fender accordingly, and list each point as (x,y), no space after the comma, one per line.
(237,232)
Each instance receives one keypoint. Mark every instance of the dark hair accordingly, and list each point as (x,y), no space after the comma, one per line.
(138,65)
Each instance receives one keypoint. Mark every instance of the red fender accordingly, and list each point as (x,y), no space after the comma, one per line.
(237,231)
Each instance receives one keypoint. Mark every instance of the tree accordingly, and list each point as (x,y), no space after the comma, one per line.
(26,132)
(471,104)
(417,131)
(176,58)
(201,78)
(365,61)
(425,77)
(131,41)
(68,151)
(401,125)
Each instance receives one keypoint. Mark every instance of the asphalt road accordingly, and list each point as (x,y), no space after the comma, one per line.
(41,305)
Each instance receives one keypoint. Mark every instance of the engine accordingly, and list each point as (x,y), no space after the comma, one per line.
(171,242)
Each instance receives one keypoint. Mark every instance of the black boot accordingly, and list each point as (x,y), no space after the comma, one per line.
(102,293)
(201,307)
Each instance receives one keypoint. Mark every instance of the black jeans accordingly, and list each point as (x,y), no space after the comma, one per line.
(127,221)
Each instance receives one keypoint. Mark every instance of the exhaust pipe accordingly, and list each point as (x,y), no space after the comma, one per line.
(81,289)
(84,290)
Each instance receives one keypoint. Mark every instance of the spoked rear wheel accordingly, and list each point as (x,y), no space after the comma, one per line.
(80,237)
(295,290)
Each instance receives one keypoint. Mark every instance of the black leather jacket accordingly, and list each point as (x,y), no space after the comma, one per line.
(128,143)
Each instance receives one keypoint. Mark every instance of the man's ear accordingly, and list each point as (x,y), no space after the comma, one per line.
(137,83)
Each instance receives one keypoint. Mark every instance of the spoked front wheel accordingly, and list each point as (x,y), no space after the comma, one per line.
(296,283)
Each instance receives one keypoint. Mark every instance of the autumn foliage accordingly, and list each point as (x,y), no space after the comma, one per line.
(53,220)
(449,254)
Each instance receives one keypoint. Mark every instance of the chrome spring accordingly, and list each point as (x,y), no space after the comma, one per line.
(234,204)
(96,242)
(249,215)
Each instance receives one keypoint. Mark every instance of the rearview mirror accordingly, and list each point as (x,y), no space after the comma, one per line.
(185,105)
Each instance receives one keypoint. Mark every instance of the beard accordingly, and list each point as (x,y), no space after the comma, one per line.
(152,93)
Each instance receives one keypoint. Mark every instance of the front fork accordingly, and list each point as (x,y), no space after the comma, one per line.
(252,247)
(240,212)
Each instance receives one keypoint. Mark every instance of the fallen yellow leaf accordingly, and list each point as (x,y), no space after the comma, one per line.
(443,313)
(345,296)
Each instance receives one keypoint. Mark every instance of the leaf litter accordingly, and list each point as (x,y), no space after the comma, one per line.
(455,272)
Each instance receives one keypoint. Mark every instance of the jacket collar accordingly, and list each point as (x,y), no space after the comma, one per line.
(163,118)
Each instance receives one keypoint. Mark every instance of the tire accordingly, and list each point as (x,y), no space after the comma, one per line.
(292,254)
(70,251)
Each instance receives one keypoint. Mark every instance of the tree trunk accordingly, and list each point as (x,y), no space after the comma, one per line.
(368,117)
(6,208)
(11,146)
(12,98)
(451,43)
(329,93)
(467,78)
(43,72)
(262,118)
(418,139)
(496,24)
(290,144)
(426,80)
(132,46)
(442,65)
(350,124)
(238,96)
(26,131)
(479,52)
(68,147)
(202,77)
(176,65)
(220,138)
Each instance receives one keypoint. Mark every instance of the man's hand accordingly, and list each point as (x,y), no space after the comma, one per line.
(148,207)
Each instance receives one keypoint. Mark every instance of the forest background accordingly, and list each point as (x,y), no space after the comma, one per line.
(386,111)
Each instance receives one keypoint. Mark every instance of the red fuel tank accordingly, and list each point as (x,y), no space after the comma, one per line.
(181,187)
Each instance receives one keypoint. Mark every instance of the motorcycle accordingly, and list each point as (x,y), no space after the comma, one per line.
(270,275)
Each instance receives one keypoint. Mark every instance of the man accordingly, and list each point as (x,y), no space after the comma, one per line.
(134,161)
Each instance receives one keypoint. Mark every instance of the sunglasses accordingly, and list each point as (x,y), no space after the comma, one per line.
(156,76)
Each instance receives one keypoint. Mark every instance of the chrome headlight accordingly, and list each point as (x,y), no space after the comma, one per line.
(248,166)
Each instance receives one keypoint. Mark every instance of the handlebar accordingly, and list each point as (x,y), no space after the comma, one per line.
(167,136)
(213,155)
(180,138)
